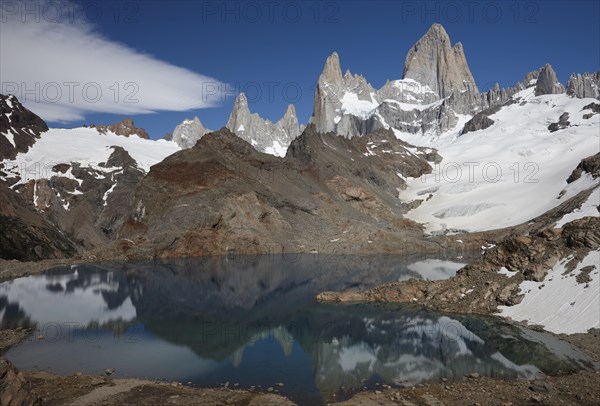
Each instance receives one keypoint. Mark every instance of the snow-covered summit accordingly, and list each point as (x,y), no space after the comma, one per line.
(189,132)
(436,93)
(84,146)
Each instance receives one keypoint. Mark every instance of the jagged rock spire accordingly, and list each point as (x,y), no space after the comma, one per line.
(327,94)
(332,72)
(547,82)
(434,62)
(189,132)
(584,85)
(265,136)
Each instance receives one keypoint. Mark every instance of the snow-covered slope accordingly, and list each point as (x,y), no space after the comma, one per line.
(85,146)
(561,303)
(510,172)
(83,180)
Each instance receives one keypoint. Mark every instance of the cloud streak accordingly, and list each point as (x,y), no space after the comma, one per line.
(64,70)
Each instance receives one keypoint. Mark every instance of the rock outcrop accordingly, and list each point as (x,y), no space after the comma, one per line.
(188,133)
(589,165)
(125,128)
(479,287)
(19,127)
(584,85)
(14,388)
(328,194)
(562,123)
(547,82)
(86,203)
(264,135)
(26,235)
(480,121)
(434,62)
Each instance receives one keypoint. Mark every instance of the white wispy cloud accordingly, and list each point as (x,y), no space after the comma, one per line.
(63,70)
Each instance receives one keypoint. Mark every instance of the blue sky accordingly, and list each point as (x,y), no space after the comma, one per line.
(276,50)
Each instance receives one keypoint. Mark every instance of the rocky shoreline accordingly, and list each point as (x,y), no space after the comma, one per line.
(494,279)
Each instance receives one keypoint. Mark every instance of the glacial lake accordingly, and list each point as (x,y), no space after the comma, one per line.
(253,322)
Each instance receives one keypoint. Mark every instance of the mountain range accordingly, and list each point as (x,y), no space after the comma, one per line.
(374,170)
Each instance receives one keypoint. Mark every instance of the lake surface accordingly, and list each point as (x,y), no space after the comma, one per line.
(253,321)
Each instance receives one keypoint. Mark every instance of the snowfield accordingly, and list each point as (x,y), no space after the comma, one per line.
(560,303)
(508,173)
(86,146)
(359,108)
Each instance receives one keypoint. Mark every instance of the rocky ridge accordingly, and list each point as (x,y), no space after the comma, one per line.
(584,85)
(328,194)
(88,203)
(436,91)
(263,135)
(125,128)
(19,127)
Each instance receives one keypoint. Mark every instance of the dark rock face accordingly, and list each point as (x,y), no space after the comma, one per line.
(14,390)
(114,212)
(27,235)
(125,128)
(19,127)
(479,122)
(329,194)
(594,107)
(87,204)
(590,165)
(582,234)
(563,122)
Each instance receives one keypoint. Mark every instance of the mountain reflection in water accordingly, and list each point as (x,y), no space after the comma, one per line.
(254,321)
